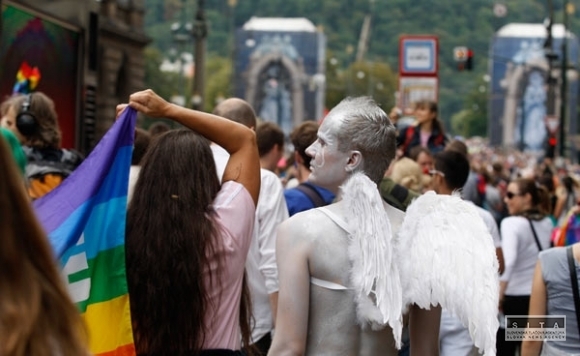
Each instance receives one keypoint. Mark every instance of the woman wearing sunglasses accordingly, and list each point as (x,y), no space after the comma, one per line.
(524,234)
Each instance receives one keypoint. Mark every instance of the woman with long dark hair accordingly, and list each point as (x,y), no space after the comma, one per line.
(188,236)
(525,233)
(37,315)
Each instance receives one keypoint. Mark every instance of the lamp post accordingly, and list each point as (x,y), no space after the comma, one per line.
(200,34)
(182,33)
(551,82)
(232,45)
(564,81)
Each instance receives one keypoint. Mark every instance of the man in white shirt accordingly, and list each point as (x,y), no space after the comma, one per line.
(262,272)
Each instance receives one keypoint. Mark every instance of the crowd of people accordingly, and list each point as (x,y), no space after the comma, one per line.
(242,241)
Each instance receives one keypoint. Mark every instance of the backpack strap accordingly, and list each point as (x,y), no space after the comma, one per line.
(574,280)
(535,235)
(312,194)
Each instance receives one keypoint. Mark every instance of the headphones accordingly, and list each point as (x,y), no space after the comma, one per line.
(25,120)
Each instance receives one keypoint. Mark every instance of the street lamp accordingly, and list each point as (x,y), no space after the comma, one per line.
(200,34)
(182,33)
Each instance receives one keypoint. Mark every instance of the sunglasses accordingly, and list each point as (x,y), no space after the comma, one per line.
(432,172)
(510,195)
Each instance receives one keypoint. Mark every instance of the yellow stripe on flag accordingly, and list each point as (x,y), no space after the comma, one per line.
(110,322)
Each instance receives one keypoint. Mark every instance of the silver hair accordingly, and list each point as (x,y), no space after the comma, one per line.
(366,128)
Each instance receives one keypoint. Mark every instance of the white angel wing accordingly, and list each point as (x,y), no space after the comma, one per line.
(446,256)
(374,273)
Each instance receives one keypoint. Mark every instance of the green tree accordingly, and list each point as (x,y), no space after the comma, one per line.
(455,22)
(335,81)
(218,86)
(163,83)
(375,79)
(472,120)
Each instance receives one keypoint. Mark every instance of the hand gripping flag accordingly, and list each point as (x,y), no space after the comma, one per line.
(85,220)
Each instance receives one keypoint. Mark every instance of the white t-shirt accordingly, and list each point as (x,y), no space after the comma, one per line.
(520,251)
(490,224)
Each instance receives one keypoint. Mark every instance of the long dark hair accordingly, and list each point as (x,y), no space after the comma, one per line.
(432,107)
(37,315)
(170,234)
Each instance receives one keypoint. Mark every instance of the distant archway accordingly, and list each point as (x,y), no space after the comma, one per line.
(254,79)
(515,84)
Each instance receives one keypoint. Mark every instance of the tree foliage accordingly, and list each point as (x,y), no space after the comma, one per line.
(455,22)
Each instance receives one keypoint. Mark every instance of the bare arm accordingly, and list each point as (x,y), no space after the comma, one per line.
(499,255)
(424,331)
(538,301)
(274,305)
(244,163)
(560,203)
(294,295)
(502,287)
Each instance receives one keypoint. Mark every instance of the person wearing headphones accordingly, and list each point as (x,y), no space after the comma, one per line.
(33,120)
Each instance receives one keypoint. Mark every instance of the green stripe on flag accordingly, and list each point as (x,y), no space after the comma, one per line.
(107,274)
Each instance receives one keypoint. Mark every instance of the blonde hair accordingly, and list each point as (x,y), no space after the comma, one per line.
(407,173)
(37,316)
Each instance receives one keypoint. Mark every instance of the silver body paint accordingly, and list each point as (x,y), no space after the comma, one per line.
(328,164)
(332,322)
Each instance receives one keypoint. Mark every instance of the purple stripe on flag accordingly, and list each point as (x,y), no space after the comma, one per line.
(64,230)
(86,180)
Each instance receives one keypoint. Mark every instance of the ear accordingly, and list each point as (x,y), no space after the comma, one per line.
(354,162)
(298,159)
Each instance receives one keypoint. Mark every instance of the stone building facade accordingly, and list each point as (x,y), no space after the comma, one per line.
(111,62)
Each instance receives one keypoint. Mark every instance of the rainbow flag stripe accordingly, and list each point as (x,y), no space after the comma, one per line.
(85,220)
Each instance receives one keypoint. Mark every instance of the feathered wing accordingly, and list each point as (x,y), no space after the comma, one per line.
(374,272)
(446,256)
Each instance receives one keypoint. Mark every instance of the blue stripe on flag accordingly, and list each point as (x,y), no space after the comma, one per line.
(102,181)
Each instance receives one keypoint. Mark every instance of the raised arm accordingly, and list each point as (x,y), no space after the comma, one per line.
(244,163)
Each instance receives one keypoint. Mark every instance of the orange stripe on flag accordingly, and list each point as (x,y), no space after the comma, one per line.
(127,350)
(109,327)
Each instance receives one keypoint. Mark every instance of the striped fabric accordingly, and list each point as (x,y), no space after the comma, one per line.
(85,220)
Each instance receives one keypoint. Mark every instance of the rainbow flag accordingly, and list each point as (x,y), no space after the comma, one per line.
(85,220)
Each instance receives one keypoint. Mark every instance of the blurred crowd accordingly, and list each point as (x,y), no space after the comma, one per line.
(533,201)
